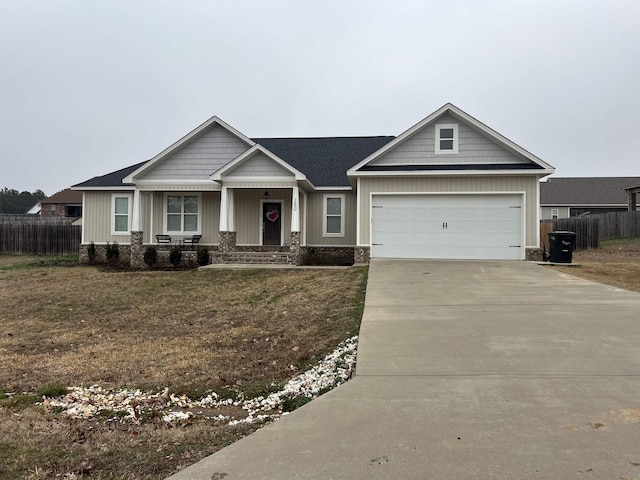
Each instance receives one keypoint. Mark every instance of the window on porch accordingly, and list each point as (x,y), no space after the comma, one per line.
(182,213)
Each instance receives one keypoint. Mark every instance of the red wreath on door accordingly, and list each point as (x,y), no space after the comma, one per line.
(273,215)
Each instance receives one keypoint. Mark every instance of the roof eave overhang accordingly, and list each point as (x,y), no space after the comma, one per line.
(444,172)
(105,188)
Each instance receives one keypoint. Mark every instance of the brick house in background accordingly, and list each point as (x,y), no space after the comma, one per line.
(66,203)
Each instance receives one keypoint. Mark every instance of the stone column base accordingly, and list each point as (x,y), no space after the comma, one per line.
(361,255)
(295,256)
(227,242)
(136,258)
(533,254)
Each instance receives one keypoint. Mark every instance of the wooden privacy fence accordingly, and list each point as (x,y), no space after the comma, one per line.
(619,225)
(592,229)
(40,238)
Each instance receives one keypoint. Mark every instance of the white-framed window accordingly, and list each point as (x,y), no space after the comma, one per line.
(554,213)
(121,204)
(182,213)
(333,215)
(447,138)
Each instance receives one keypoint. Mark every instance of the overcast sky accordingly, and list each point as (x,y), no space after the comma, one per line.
(91,86)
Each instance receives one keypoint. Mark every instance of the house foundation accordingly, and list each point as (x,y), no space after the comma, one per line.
(533,254)
(362,255)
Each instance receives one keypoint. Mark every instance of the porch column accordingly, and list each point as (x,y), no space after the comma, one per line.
(227,234)
(223,210)
(295,257)
(633,206)
(136,256)
(230,210)
(226,210)
(295,209)
(135,217)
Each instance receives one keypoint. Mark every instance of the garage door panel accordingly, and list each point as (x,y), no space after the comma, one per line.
(447,226)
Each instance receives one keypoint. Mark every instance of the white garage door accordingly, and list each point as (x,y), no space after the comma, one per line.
(467,226)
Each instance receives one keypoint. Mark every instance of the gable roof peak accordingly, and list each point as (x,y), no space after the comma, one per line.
(463,117)
(185,139)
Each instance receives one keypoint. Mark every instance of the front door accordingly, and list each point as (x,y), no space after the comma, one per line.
(271,223)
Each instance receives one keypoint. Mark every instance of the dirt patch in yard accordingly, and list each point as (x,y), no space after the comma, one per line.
(615,263)
(191,331)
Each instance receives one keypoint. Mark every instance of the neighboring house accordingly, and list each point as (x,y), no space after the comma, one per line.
(448,187)
(577,196)
(66,203)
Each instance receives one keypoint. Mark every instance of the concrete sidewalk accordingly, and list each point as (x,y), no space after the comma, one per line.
(468,370)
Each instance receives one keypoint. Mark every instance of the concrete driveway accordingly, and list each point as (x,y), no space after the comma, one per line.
(484,370)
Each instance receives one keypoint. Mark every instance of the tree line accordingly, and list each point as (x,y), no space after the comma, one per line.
(12,201)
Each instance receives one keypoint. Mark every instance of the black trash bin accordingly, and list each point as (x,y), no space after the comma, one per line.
(561,246)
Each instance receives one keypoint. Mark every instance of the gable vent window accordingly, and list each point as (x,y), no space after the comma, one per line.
(447,138)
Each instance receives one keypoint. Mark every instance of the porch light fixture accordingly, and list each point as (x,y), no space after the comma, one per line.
(266,195)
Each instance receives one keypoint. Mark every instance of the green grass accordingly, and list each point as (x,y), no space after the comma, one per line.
(44,261)
(290,404)
(52,391)
(19,401)
(618,242)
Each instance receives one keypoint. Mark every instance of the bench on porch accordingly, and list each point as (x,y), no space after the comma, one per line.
(163,239)
(191,241)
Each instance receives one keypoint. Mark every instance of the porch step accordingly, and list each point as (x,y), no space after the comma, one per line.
(253,257)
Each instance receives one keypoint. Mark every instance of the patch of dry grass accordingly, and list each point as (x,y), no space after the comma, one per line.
(616,263)
(186,330)
(40,445)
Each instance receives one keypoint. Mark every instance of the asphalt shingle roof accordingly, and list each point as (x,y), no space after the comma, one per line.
(586,190)
(113,179)
(324,161)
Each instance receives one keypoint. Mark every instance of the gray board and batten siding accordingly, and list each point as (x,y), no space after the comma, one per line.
(473,148)
(199,158)
(260,165)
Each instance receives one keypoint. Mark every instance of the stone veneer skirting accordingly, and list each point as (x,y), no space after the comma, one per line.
(101,254)
(323,255)
(133,255)
(127,258)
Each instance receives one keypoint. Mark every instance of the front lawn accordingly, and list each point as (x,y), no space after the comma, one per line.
(194,332)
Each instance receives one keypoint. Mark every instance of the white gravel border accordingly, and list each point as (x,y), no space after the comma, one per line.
(80,402)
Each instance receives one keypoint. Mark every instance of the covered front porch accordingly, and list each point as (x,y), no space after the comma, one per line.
(260,224)
(240,224)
